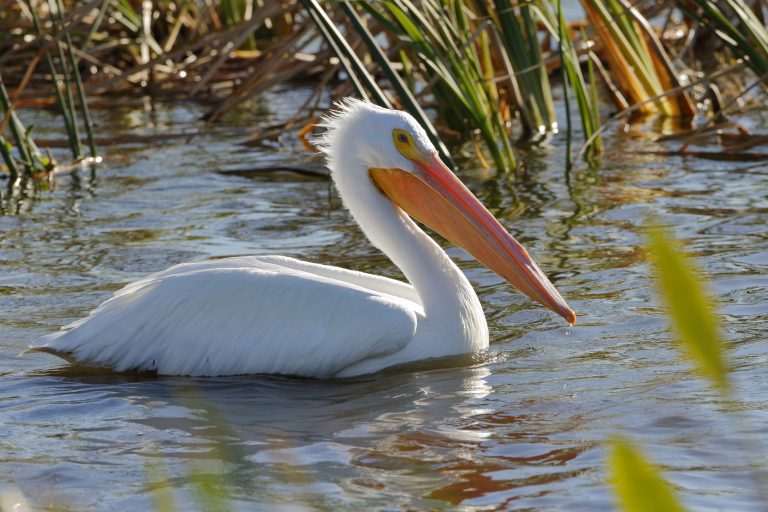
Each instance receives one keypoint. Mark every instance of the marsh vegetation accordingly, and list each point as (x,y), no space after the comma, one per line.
(139,134)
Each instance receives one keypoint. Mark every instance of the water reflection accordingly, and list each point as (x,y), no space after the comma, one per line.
(307,432)
(426,436)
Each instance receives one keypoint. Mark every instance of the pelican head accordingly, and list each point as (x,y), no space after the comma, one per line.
(386,154)
(375,137)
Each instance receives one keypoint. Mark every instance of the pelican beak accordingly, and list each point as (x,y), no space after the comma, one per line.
(434,196)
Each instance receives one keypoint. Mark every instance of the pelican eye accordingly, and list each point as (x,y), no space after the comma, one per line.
(406,146)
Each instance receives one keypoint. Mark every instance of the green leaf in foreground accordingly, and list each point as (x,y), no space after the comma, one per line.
(689,307)
(162,494)
(638,485)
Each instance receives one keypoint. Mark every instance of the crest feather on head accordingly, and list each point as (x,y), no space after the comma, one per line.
(341,113)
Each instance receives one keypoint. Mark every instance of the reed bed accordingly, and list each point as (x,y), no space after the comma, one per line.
(479,75)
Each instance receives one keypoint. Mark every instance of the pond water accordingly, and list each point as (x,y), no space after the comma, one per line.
(521,428)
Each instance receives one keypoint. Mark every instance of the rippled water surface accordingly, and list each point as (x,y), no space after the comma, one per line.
(520,428)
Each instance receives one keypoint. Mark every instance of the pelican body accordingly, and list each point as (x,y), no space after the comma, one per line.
(279,315)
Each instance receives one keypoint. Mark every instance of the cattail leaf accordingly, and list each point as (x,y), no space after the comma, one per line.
(638,485)
(690,309)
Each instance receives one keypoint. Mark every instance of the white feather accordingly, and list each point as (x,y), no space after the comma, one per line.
(237,316)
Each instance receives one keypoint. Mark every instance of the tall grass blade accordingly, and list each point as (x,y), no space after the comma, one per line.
(627,66)
(638,485)
(593,105)
(78,84)
(13,171)
(69,103)
(690,309)
(235,12)
(96,23)
(17,132)
(129,17)
(638,61)
(681,103)
(737,26)
(519,34)
(356,70)
(586,96)
(561,31)
(69,122)
(438,35)
(400,87)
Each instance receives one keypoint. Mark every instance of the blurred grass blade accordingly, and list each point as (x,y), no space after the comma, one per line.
(131,18)
(689,307)
(638,485)
(237,11)
(96,23)
(160,490)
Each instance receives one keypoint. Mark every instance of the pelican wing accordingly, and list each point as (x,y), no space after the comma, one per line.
(238,316)
(378,284)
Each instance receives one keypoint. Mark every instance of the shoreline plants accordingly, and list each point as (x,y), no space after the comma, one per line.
(480,75)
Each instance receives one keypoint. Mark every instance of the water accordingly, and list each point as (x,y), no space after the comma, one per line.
(523,427)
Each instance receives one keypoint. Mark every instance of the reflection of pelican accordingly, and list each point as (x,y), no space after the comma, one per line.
(279,315)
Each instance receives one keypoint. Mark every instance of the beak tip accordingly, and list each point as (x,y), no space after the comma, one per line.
(569,316)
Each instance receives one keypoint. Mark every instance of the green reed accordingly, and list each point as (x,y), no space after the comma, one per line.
(19,135)
(737,25)
(71,62)
(454,54)
(65,107)
(30,157)
(641,66)
(484,67)
(480,61)
(404,94)
(28,161)
(516,24)
(584,91)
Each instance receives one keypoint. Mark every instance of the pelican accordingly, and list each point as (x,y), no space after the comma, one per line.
(279,315)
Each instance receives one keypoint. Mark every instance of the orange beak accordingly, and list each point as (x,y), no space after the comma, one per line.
(435,196)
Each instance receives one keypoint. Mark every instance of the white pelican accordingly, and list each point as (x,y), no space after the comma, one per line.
(278,315)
